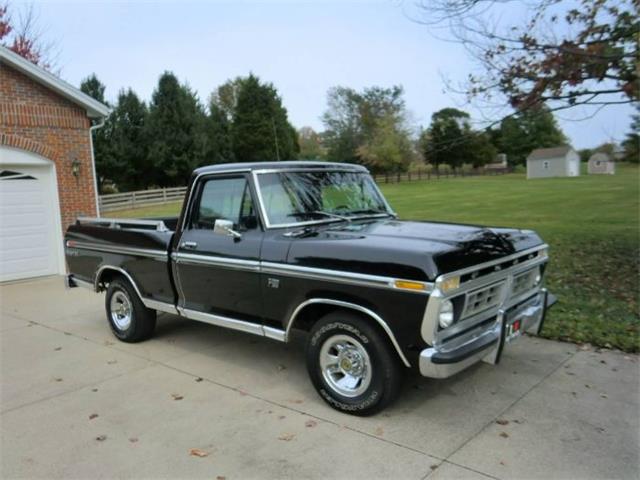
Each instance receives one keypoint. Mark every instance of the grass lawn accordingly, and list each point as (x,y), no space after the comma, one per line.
(591,224)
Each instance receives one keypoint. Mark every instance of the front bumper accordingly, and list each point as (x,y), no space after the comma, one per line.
(488,346)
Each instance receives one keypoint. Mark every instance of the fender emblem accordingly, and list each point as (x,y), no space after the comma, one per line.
(273,283)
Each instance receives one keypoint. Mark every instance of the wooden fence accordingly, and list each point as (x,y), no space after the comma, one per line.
(140,198)
(143,198)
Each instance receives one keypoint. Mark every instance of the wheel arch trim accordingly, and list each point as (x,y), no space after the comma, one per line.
(148,302)
(353,306)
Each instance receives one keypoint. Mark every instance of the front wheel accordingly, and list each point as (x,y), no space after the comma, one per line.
(129,319)
(352,365)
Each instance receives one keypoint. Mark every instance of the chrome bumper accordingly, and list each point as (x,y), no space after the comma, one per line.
(442,363)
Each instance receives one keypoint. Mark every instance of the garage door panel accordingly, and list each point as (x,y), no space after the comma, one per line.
(23,242)
(25,219)
(29,230)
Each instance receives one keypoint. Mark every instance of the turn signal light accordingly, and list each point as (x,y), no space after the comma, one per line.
(407,285)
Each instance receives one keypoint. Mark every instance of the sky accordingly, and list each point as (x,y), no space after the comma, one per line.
(303,48)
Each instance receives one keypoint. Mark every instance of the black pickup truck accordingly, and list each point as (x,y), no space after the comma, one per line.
(270,247)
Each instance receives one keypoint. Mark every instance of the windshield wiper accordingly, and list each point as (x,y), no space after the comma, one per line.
(321,212)
(372,211)
(332,215)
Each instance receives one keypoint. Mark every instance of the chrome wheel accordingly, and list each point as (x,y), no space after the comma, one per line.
(345,365)
(120,307)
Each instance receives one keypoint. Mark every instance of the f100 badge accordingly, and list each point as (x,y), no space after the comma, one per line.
(273,282)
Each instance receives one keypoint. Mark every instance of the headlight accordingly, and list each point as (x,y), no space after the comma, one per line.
(450,284)
(445,319)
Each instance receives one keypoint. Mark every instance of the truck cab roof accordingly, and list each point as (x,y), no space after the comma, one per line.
(282,165)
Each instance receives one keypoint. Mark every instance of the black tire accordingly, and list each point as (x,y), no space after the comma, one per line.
(386,371)
(142,320)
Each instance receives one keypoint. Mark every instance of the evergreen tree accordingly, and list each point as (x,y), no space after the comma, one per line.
(218,135)
(108,165)
(526,131)
(130,142)
(260,130)
(175,129)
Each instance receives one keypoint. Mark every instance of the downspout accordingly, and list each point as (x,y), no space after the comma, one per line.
(93,162)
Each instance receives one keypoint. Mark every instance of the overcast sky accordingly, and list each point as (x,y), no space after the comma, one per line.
(303,48)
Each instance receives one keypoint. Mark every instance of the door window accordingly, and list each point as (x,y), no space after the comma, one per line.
(224,199)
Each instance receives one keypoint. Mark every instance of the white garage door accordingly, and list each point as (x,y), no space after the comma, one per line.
(30,234)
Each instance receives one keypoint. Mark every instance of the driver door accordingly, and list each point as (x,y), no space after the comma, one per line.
(218,270)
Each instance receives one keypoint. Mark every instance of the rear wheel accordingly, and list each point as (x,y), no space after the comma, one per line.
(129,319)
(352,365)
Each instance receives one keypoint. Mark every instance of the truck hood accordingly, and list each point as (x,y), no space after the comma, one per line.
(406,249)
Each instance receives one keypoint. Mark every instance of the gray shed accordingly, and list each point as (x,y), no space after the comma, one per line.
(561,161)
(600,163)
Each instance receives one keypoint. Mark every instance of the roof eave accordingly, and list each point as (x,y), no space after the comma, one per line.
(93,108)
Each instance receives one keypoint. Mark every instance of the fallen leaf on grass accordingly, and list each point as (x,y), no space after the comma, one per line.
(176,396)
(504,434)
(133,439)
(243,393)
(57,379)
(199,379)
(501,421)
(281,417)
(111,362)
(433,467)
(502,462)
(221,477)
(101,438)
(310,423)
(94,389)
(196,452)
(287,437)
(57,349)
(378,432)
(586,385)
(604,395)
(92,416)
(296,400)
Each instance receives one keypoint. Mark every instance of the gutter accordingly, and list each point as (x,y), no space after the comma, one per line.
(93,162)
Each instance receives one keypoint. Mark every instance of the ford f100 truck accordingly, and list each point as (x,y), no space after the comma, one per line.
(267,248)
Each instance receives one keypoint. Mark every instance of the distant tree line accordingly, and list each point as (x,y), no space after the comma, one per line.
(160,143)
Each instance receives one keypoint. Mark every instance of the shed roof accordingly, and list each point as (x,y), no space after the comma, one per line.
(94,108)
(549,153)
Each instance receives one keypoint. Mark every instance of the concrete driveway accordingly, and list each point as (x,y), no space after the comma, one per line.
(78,403)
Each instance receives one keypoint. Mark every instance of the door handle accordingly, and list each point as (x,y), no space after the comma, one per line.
(188,245)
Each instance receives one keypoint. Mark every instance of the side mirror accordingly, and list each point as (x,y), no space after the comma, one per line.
(225,227)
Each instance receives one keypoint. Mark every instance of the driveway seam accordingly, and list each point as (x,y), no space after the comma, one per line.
(60,394)
(501,413)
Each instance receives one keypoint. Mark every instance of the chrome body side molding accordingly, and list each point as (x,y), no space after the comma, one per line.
(224,262)
(138,252)
(352,306)
(340,276)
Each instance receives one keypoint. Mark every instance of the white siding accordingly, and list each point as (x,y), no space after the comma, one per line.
(548,167)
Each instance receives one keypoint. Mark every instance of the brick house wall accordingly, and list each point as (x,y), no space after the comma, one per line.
(38,120)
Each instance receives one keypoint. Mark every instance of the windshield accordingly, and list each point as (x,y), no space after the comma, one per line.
(291,198)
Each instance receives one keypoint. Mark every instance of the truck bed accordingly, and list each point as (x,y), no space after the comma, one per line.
(139,247)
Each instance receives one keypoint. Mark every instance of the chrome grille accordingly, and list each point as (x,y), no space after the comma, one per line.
(524,282)
(483,298)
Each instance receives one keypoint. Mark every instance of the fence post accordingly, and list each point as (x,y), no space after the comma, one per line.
(409,176)
(164,195)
